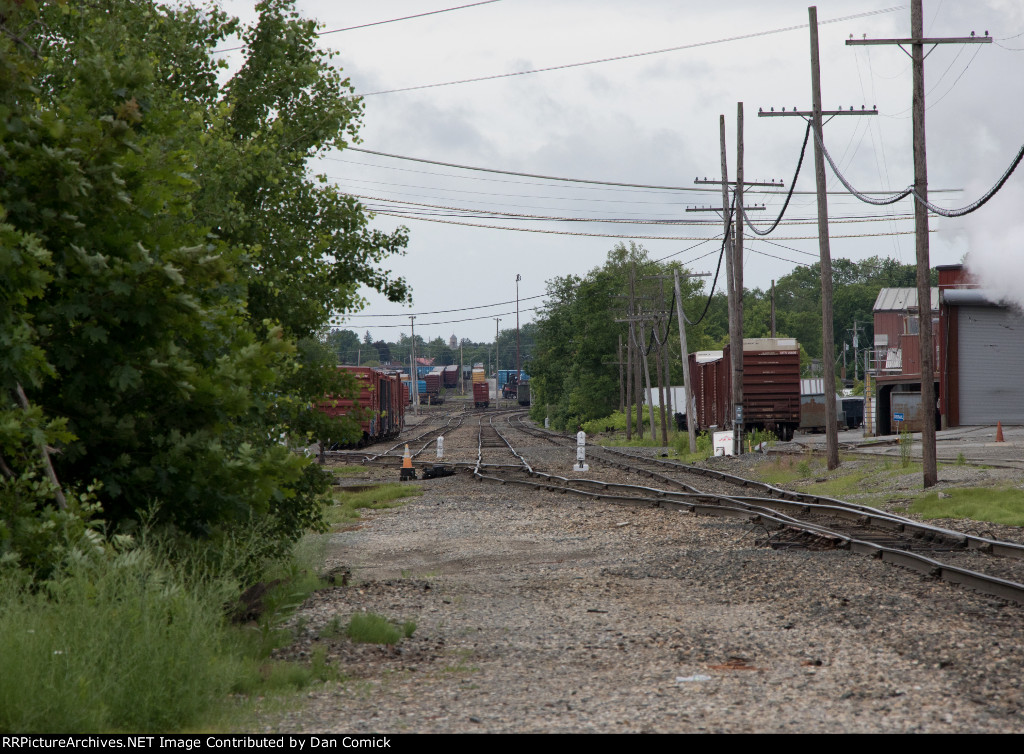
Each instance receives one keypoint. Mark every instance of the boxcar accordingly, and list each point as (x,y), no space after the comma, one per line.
(481,395)
(524,393)
(379,404)
(771,386)
(451,375)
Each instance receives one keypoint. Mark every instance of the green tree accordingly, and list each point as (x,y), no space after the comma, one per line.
(165,264)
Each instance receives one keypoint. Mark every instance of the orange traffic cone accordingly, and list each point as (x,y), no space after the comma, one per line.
(408,472)
(999,432)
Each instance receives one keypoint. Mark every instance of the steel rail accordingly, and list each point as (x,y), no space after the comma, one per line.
(755,509)
(868,515)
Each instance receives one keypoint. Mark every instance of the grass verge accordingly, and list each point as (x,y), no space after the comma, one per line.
(995,505)
(347,504)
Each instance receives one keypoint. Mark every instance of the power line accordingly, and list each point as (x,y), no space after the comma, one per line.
(977,204)
(525,175)
(613,235)
(371,326)
(378,23)
(446,311)
(792,185)
(612,184)
(630,56)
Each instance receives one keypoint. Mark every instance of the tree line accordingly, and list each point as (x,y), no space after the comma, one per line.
(584,327)
(348,348)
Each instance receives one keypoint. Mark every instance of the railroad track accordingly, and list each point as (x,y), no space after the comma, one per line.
(789,520)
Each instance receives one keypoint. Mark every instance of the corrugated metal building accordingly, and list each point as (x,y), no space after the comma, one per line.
(979,343)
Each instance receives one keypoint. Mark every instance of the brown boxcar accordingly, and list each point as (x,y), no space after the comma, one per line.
(481,395)
(771,387)
(451,375)
(379,405)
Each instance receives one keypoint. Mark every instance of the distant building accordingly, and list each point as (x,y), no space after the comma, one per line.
(979,355)
(453,342)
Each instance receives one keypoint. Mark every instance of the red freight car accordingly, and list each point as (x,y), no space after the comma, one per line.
(481,395)
(379,404)
(771,386)
(451,375)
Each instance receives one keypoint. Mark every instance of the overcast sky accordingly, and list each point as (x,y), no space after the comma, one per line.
(654,120)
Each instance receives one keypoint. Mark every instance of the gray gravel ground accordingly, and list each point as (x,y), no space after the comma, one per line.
(540,612)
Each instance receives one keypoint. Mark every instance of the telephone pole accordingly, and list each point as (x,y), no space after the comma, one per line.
(734,266)
(917,42)
(414,382)
(828,346)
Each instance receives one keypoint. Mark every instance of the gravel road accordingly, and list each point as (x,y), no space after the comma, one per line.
(541,612)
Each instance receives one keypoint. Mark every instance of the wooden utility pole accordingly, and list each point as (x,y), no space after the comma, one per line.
(828,347)
(773,308)
(414,382)
(917,43)
(691,418)
(734,268)
(622,384)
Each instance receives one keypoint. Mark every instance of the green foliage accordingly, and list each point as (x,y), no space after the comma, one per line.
(81,654)
(681,444)
(370,628)
(166,267)
(906,445)
(347,504)
(572,368)
(998,506)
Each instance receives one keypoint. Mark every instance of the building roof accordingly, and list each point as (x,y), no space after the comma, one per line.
(901,299)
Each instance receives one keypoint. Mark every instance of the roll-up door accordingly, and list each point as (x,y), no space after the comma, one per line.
(991,365)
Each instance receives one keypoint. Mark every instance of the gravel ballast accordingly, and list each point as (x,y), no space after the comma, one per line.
(542,612)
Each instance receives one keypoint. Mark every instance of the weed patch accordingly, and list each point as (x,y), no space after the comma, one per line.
(999,506)
(370,628)
(347,504)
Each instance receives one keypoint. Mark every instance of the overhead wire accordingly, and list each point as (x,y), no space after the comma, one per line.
(448,311)
(449,211)
(975,205)
(425,218)
(629,56)
(525,175)
(435,324)
(792,185)
(378,23)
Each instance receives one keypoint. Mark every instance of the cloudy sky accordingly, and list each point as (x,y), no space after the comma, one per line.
(652,120)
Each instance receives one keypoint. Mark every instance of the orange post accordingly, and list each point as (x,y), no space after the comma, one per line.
(999,432)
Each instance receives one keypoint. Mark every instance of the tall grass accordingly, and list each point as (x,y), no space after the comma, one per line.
(125,644)
(136,637)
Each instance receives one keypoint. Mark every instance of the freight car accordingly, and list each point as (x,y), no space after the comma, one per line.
(481,395)
(771,386)
(524,393)
(451,375)
(378,404)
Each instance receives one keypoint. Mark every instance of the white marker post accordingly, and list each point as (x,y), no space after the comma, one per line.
(581,452)
(440,447)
